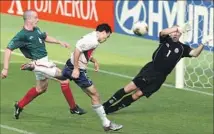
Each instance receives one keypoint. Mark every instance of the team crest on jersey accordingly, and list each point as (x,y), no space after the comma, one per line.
(31,37)
(176,50)
(111,101)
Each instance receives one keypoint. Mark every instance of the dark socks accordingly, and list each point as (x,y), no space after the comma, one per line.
(125,102)
(117,96)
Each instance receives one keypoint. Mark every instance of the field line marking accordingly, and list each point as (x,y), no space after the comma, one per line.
(16,129)
(126,76)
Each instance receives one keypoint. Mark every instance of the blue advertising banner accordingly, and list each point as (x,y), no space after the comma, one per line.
(162,14)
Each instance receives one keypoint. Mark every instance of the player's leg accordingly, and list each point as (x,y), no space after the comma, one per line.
(87,85)
(99,109)
(148,83)
(127,89)
(120,94)
(41,87)
(95,101)
(136,83)
(125,102)
(67,92)
(45,68)
(65,88)
(53,72)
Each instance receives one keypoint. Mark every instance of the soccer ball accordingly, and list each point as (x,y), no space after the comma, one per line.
(140,28)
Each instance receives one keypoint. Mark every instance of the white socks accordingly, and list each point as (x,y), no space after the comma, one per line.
(48,71)
(101,113)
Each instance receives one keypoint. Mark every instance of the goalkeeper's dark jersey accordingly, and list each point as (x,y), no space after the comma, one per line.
(31,43)
(167,55)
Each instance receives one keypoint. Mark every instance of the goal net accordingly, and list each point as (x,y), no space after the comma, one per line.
(198,72)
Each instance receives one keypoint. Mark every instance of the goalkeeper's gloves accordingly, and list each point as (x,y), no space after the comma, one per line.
(207,39)
(186,27)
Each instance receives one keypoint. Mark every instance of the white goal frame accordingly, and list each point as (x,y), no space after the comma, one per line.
(180,68)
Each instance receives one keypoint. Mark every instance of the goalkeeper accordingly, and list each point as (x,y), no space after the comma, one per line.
(153,74)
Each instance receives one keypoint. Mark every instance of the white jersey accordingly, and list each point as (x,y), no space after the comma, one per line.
(86,45)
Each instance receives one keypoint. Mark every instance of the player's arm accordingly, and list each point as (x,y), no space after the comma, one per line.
(76,72)
(7,55)
(168,31)
(182,29)
(96,65)
(93,60)
(44,36)
(195,52)
(77,53)
(78,50)
(51,39)
(15,43)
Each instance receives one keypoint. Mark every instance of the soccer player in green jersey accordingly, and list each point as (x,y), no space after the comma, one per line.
(31,42)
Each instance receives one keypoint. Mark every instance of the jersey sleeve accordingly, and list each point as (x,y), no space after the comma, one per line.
(163,38)
(16,42)
(43,35)
(187,50)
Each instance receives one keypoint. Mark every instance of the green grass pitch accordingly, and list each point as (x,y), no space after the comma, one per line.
(169,111)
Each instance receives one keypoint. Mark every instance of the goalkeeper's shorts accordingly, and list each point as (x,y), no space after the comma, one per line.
(149,80)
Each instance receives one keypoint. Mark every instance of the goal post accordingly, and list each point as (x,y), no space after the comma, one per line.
(179,70)
(196,72)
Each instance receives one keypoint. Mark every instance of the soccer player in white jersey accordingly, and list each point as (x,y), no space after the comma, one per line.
(75,69)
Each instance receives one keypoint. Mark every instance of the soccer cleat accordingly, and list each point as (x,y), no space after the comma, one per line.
(113,127)
(17,111)
(28,66)
(77,110)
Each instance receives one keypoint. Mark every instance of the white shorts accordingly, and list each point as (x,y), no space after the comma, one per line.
(45,63)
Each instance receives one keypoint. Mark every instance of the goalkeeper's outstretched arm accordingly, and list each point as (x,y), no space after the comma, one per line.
(182,29)
(195,52)
(168,31)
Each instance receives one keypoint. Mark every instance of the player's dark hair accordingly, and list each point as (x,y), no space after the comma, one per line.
(104,27)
